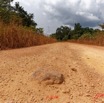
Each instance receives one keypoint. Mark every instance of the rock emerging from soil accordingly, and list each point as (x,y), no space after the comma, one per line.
(49,77)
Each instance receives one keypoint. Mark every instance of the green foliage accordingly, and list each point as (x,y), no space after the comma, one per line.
(53,35)
(40,30)
(27,19)
(79,32)
(16,14)
(74,36)
(5,8)
(88,30)
(5,3)
(77,28)
(86,36)
(62,33)
(102,26)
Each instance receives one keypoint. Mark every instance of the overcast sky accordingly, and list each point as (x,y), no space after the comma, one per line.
(51,14)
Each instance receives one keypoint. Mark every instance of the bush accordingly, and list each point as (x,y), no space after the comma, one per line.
(12,36)
(97,38)
(86,36)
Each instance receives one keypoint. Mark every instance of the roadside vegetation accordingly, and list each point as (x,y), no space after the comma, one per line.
(18,29)
(80,34)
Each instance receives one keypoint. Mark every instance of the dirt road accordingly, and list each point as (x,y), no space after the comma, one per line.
(81,65)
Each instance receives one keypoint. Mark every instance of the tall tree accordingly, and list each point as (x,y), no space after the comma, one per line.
(63,33)
(78,31)
(5,3)
(77,27)
(40,30)
(5,7)
(102,26)
(27,19)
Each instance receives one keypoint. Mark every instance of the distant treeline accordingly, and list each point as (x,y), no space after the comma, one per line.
(64,32)
(80,34)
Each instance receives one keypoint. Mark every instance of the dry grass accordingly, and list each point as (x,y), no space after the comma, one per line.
(98,39)
(12,36)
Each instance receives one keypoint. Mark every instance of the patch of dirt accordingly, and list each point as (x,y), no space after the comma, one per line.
(81,65)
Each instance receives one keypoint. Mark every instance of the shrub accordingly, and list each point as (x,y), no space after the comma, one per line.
(86,36)
(12,36)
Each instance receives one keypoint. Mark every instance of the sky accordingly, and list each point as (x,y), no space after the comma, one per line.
(51,14)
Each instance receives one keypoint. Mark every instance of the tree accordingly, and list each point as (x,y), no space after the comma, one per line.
(17,13)
(88,30)
(5,3)
(77,32)
(5,7)
(40,30)
(53,35)
(102,26)
(63,33)
(27,19)
(77,27)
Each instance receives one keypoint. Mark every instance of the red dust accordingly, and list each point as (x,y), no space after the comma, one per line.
(98,96)
(52,97)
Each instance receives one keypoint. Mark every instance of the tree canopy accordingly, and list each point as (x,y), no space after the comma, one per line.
(65,33)
(8,13)
(102,26)
(5,8)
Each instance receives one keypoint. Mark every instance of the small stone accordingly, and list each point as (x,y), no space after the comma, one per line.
(92,85)
(81,94)
(57,91)
(88,91)
(73,69)
(88,95)
(66,91)
(18,89)
(41,98)
(49,77)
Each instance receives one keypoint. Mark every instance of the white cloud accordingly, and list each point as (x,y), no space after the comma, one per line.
(66,12)
(88,16)
(87,12)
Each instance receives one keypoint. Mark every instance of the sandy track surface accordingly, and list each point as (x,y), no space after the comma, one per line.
(81,65)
